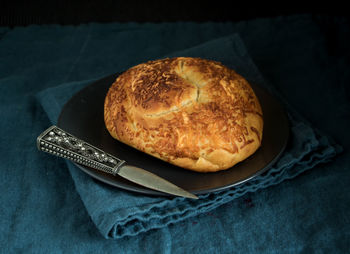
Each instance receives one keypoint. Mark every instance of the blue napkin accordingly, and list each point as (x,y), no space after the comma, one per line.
(118,213)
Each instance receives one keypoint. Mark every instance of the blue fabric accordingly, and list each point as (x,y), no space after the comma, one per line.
(46,208)
(118,213)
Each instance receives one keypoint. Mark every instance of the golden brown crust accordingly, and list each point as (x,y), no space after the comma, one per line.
(191,112)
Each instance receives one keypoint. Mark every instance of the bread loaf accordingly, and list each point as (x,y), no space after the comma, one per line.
(191,112)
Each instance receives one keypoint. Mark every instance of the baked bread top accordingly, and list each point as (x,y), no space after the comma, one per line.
(191,112)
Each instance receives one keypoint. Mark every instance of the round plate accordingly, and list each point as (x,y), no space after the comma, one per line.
(82,116)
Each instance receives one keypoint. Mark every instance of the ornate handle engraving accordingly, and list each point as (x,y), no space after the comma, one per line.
(60,143)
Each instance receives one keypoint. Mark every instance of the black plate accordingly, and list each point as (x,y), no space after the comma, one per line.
(82,116)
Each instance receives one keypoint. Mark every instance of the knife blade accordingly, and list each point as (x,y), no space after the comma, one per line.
(63,144)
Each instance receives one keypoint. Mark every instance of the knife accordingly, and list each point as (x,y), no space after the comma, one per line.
(60,143)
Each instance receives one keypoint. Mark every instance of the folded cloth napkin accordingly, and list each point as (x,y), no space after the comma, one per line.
(118,213)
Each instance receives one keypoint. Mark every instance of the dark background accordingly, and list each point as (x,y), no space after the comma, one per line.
(22,13)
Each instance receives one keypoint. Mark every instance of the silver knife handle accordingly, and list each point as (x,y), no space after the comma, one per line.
(60,143)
